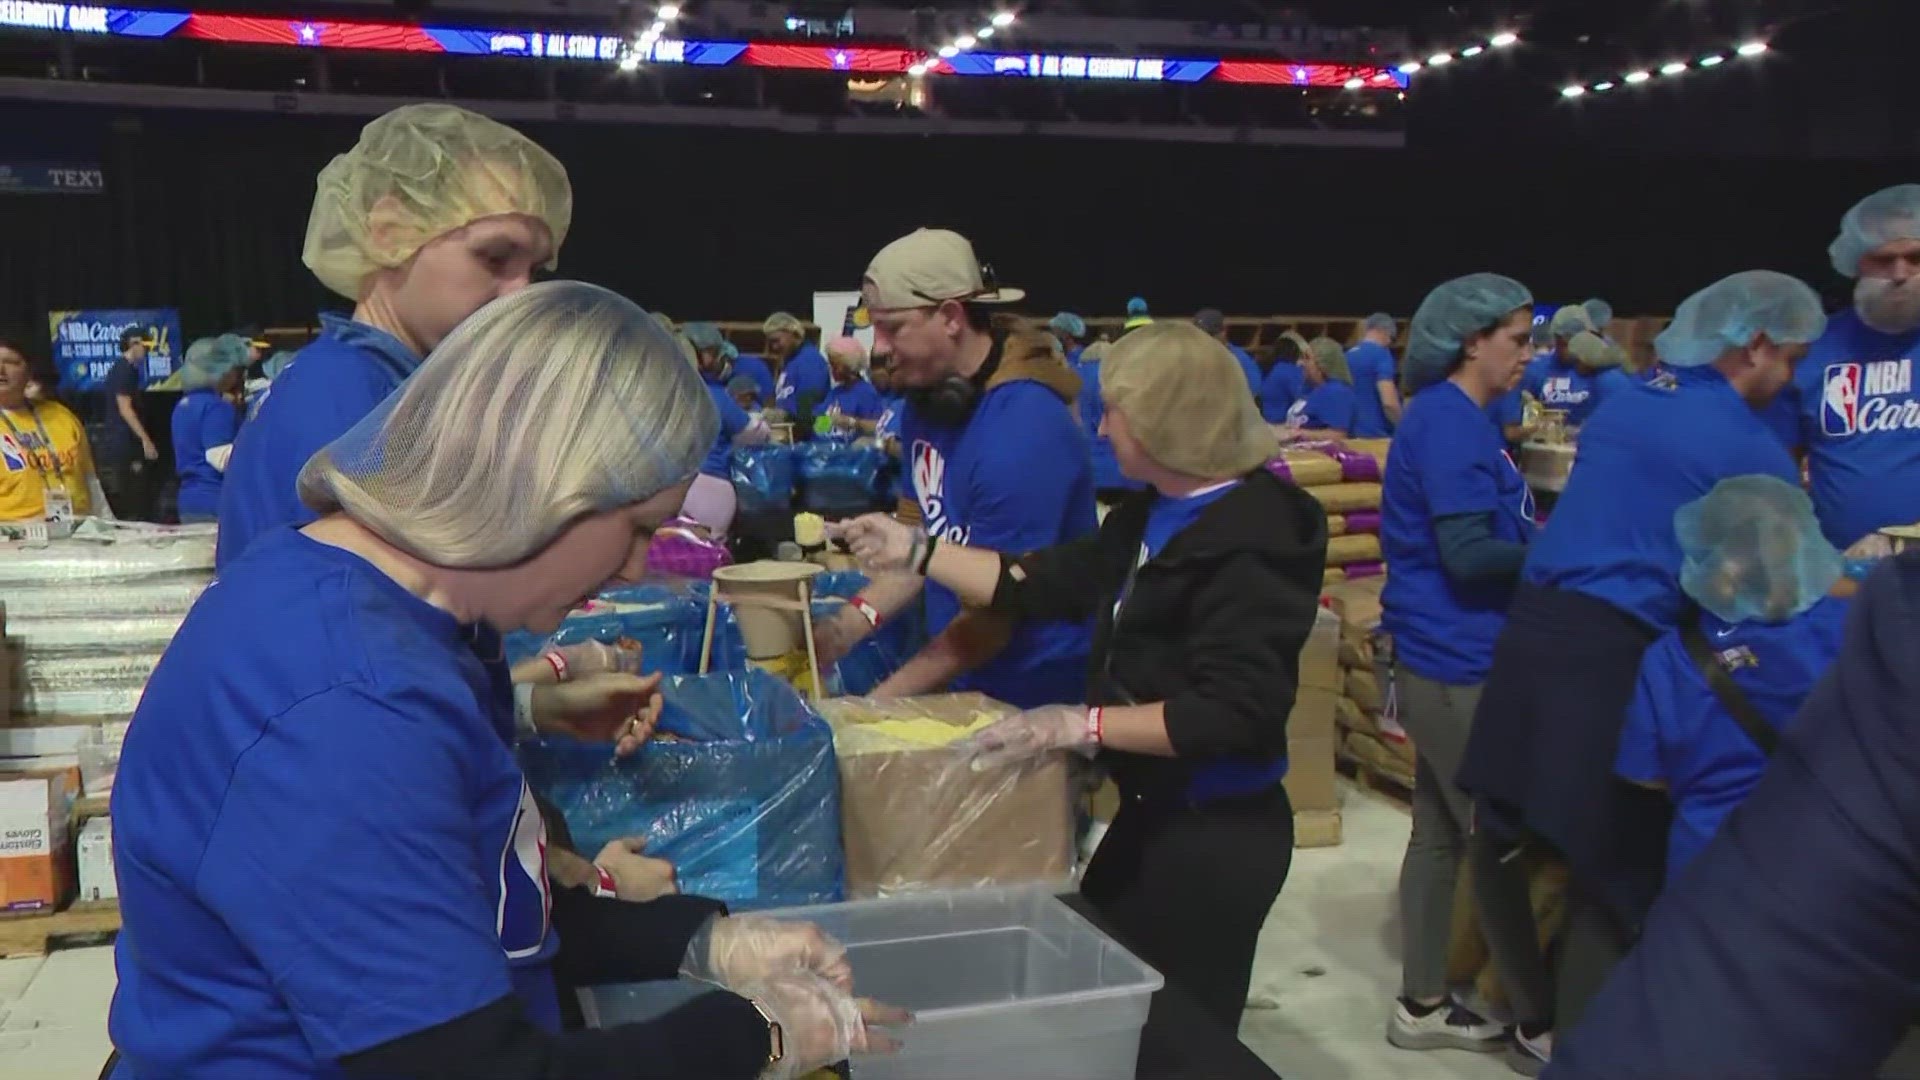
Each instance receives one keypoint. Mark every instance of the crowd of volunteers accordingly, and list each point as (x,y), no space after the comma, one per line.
(1691,666)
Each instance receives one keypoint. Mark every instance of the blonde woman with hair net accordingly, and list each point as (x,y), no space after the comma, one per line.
(330,863)
(804,375)
(205,422)
(1202,590)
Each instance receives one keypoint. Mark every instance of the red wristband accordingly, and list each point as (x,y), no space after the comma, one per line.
(558,663)
(867,611)
(1096,725)
(607,887)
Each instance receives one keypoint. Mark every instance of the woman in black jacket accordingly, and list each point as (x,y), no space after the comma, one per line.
(1203,589)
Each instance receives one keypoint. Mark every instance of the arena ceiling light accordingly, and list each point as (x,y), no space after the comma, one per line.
(669,12)
(1003,19)
(1576,90)
(1675,68)
(1671,69)
(1752,48)
(1505,39)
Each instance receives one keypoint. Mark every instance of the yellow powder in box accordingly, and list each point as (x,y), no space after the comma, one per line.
(926,731)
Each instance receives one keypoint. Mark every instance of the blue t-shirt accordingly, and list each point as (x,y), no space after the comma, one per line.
(733,421)
(1678,733)
(202,420)
(1559,386)
(1372,364)
(1285,384)
(755,368)
(888,427)
(1642,458)
(322,838)
(1106,467)
(117,443)
(1608,383)
(1859,421)
(332,385)
(804,378)
(857,399)
(1014,478)
(1507,410)
(1448,458)
(1249,366)
(1329,406)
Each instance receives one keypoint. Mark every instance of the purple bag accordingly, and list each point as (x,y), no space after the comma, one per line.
(1356,571)
(682,548)
(1363,521)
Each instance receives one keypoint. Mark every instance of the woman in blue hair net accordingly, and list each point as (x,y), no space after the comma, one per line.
(1600,584)
(205,422)
(1456,517)
(1070,331)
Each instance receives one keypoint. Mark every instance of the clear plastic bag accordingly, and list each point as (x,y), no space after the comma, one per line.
(739,790)
(839,477)
(917,815)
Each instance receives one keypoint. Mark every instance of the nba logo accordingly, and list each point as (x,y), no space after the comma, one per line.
(1840,399)
(11,455)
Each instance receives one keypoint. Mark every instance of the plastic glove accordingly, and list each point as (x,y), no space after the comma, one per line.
(636,878)
(609,707)
(744,949)
(1871,546)
(878,542)
(820,1023)
(1029,735)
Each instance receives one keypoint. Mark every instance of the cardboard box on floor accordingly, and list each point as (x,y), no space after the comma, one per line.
(36,853)
(1320,657)
(921,817)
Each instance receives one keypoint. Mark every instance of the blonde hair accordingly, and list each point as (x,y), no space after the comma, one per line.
(558,401)
(1185,398)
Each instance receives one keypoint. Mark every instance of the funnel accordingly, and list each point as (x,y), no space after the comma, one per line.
(770,601)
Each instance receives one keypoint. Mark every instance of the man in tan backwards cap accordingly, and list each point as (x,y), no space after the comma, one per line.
(994,457)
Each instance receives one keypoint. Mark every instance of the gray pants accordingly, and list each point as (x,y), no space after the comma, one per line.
(1439,718)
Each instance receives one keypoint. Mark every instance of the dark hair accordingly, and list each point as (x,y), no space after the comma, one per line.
(131,336)
(1286,349)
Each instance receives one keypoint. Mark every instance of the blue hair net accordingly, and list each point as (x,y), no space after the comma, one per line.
(1570,320)
(703,335)
(1137,306)
(1728,313)
(211,357)
(275,364)
(1069,324)
(1880,218)
(1599,313)
(1452,314)
(729,350)
(1752,551)
(1381,321)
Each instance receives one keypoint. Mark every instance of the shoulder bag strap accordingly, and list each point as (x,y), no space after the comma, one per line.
(1720,681)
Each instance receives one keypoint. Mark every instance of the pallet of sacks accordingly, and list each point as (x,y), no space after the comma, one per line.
(1346,481)
(1369,738)
(1312,739)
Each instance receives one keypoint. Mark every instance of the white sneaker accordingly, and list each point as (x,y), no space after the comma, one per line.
(1529,1057)
(1449,1027)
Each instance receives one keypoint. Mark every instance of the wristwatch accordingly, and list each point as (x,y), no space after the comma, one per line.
(776,1038)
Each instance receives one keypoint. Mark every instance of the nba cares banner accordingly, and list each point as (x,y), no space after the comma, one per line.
(86,343)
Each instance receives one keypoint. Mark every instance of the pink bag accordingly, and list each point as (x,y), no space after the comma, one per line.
(682,548)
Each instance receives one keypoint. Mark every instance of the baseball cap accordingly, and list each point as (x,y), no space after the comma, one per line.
(1212,320)
(931,266)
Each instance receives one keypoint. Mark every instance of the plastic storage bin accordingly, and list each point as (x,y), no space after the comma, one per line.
(1002,983)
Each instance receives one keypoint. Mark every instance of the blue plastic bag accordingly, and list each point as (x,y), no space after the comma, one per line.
(666,621)
(762,478)
(743,797)
(839,477)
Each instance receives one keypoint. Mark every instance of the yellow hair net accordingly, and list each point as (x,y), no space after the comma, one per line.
(419,172)
(1332,359)
(1185,398)
(1591,350)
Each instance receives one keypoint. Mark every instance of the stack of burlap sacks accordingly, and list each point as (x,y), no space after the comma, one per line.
(1369,737)
(1345,478)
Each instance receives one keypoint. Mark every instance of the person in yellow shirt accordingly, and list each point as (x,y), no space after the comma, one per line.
(46,467)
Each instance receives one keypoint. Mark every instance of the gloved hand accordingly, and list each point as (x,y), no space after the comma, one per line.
(1871,546)
(744,949)
(820,1023)
(836,635)
(595,657)
(608,707)
(1029,735)
(636,878)
(878,542)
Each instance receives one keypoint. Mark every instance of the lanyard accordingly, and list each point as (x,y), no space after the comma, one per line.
(46,444)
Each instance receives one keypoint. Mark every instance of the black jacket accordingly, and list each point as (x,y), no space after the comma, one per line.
(1212,626)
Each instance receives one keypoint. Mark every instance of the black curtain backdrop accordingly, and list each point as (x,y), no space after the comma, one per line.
(205,212)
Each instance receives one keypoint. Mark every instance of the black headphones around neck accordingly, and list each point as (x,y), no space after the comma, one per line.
(951,401)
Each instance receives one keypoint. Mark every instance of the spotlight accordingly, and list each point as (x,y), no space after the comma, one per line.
(1003,19)
(965,42)
(1354,84)
(917,70)
(948,52)
(1635,78)
(1409,67)
(1712,61)
(669,12)
(1471,51)
(1572,91)
(630,62)
(1502,40)
(1602,87)
(983,33)
(1439,60)
(1752,48)
(1674,68)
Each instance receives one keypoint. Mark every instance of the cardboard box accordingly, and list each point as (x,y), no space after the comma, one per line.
(1310,773)
(36,857)
(918,818)
(94,853)
(1316,828)
(1313,713)
(1320,657)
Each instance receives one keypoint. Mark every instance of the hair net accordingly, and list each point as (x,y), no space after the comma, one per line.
(664,321)
(1137,306)
(1380,321)
(729,350)
(1185,398)
(1331,357)
(704,336)
(1728,313)
(1452,315)
(781,320)
(1591,350)
(1599,313)
(1570,320)
(687,352)
(1880,218)
(1212,320)
(743,384)
(1069,324)
(211,357)
(848,351)
(419,172)
(1752,550)
(557,401)
(273,365)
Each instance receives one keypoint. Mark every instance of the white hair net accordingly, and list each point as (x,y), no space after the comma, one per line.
(1451,316)
(1599,313)
(1752,551)
(1730,312)
(420,172)
(1570,320)
(211,357)
(704,336)
(1184,397)
(1880,218)
(555,402)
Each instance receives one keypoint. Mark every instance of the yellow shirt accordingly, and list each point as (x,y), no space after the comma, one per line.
(28,465)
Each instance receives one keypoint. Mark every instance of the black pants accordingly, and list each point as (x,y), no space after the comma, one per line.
(1188,889)
(132,487)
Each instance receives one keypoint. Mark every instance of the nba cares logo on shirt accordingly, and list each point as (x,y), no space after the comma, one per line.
(11,455)
(930,485)
(526,900)
(1863,398)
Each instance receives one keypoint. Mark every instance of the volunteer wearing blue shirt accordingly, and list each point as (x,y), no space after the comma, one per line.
(204,424)
(1202,590)
(1376,390)
(1212,322)
(1456,517)
(994,456)
(1556,380)
(469,209)
(1600,584)
(1071,331)
(1328,409)
(1596,366)
(1760,571)
(721,363)
(1110,485)
(1285,382)
(804,378)
(853,402)
(1858,415)
(330,863)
